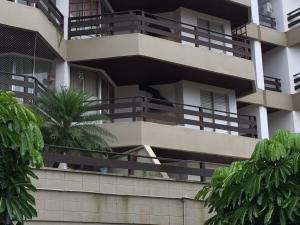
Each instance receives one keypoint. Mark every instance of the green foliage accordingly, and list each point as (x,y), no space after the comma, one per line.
(68,120)
(260,191)
(20,145)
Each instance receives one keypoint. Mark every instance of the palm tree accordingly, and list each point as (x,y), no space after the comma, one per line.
(69,120)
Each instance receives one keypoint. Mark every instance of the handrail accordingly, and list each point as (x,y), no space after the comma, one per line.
(165,112)
(163,101)
(31,86)
(293,17)
(60,154)
(272,83)
(267,21)
(153,25)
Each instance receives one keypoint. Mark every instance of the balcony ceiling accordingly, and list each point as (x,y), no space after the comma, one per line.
(14,40)
(143,70)
(237,14)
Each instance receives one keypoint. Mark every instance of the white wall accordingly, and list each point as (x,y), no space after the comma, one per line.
(280,120)
(276,65)
(63,6)
(191,17)
(192,96)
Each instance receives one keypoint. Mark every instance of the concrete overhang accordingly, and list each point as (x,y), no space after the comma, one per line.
(293,36)
(27,18)
(180,139)
(270,99)
(126,52)
(246,3)
(274,37)
(267,35)
(296,101)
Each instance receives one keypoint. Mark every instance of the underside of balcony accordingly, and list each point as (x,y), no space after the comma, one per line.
(236,13)
(149,71)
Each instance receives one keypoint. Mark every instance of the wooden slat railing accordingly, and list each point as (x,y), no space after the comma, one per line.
(297,81)
(26,88)
(91,160)
(50,10)
(150,24)
(272,84)
(267,21)
(161,111)
(293,18)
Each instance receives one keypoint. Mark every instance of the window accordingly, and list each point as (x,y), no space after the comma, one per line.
(211,28)
(92,82)
(217,104)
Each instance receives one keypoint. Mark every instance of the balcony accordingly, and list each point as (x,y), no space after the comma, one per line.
(293,18)
(176,114)
(272,84)
(160,27)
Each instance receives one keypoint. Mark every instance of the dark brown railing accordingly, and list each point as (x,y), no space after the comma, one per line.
(146,23)
(293,18)
(297,81)
(272,84)
(122,163)
(50,10)
(267,21)
(26,88)
(164,112)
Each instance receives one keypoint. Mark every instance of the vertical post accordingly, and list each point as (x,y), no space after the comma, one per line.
(201,118)
(202,178)
(196,36)
(134,109)
(145,108)
(142,23)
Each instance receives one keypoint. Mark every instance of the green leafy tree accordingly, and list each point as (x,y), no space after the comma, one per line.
(20,145)
(69,120)
(260,191)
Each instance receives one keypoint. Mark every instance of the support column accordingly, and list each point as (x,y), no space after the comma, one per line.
(256,53)
(62,75)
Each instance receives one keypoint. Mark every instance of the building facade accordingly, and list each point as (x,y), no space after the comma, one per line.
(189,87)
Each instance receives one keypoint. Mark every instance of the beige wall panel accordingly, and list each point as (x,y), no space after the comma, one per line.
(256,98)
(293,36)
(246,3)
(180,138)
(139,44)
(278,100)
(296,101)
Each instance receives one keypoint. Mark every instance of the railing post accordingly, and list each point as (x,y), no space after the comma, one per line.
(134,109)
(201,118)
(145,108)
(142,31)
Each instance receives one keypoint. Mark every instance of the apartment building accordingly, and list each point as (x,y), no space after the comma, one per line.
(189,86)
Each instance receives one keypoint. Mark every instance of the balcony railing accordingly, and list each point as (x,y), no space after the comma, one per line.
(170,113)
(297,81)
(293,18)
(267,21)
(272,84)
(26,88)
(134,163)
(50,11)
(150,24)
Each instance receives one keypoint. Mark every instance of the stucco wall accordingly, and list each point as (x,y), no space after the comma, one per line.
(70,197)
